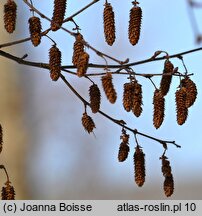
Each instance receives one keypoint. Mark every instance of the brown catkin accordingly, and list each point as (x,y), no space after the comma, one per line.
(108,87)
(10,14)
(137,99)
(134,25)
(124,146)
(166,79)
(109,24)
(58,14)
(78,49)
(168,185)
(87,122)
(159,108)
(54,62)
(191,91)
(1,138)
(35,30)
(8,192)
(82,64)
(166,168)
(95,98)
(128,92)
(139,163)
(181,109)
(123,152)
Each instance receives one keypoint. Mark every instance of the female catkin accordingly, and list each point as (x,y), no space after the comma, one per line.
(109,24)
(58,14)
(35,30)
(54,62)
(134,24)
(10,14)
(139,163)
(108,87)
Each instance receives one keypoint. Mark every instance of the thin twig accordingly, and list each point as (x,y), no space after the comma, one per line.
(118,122)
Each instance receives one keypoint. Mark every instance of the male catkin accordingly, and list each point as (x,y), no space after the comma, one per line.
(139,163)
(128,92)
(124,147)
(159,108)
(10,14)
(166,79)
(137,99)
(35,30)
(78,49)
(82,64)
(87,122)
(54,62)
(95,98)
(191,91)
(134,24)
(181,109)
(108,87)
(109,24)
(58,14)
(8,192)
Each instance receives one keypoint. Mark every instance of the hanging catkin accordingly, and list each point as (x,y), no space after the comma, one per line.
(166,79)
(10,14)
(1,138)
(124,147)
(54,62)
(191,91)
(95,98)
(137,99)
(108,87)
(134,24)
(87,122)
(128,92)
(82,64)
(8,192)
(109,24)
(181,109)
(35,30)
(168,185)
(166,168)
(159,107)
(78,49)
(58,14)
(139,163)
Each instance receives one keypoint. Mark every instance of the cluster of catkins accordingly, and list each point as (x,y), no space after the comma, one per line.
(139,164)
(184,97)
(7,192)
(133,28)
